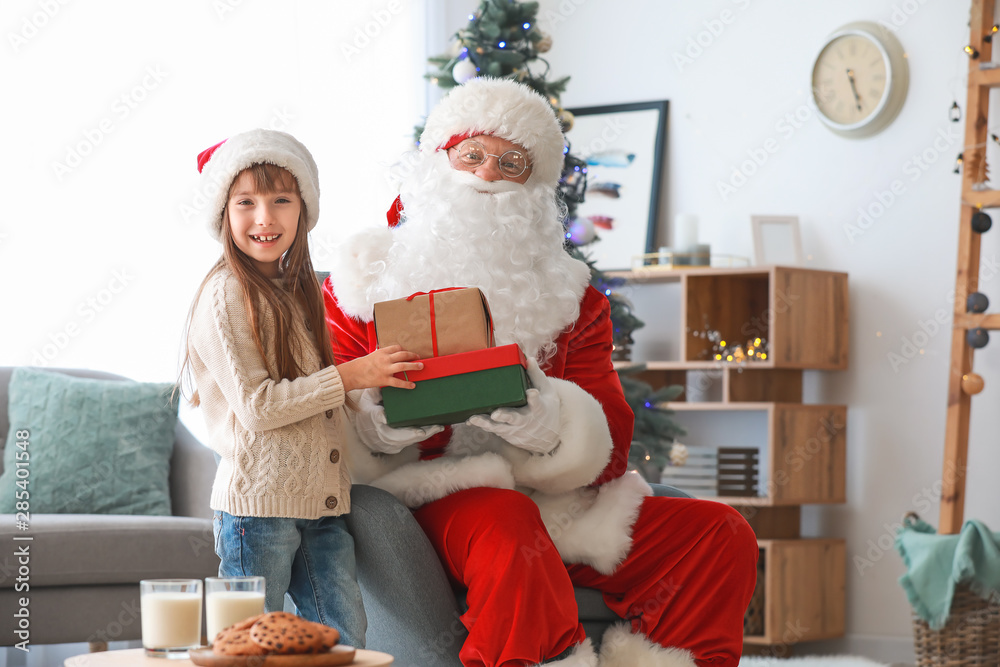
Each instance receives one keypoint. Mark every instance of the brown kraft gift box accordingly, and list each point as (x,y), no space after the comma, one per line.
(437,323)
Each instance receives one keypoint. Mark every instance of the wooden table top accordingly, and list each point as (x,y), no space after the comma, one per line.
(137,658)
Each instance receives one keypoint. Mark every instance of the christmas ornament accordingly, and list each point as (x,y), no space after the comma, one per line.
(972,383)
(981,222)
(977,303)
(544,44)
(464,70)
(978,337)
(566,119)
(581,231)
(678,454)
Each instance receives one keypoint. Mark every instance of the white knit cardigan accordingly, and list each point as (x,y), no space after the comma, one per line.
(279,440)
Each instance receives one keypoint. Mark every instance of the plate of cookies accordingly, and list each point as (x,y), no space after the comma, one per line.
(275,639)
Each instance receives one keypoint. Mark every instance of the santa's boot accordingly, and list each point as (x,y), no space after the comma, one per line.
(621,648)
(581,655)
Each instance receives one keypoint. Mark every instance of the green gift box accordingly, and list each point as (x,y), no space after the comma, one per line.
(452,388)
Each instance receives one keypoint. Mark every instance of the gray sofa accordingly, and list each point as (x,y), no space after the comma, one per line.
(85,568)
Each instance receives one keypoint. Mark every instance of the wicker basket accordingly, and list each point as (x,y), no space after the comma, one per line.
(971,636)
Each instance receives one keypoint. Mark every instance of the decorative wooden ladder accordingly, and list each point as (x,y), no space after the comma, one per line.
(980,82)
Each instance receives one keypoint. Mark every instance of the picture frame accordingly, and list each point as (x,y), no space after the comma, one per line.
(777,240)
(624,146)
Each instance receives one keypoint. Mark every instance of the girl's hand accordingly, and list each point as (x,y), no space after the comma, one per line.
(379,368)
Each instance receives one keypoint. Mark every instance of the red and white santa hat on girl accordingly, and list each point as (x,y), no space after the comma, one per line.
(220,164)
(505,109)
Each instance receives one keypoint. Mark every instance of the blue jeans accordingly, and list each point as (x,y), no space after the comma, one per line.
(312,560)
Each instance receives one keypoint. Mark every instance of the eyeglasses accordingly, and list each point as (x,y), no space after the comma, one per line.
(472,154)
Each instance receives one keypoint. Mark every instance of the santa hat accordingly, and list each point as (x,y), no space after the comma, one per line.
(220,164)
(505,109)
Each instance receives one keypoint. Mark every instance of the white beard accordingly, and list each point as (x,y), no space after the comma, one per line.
(502,237)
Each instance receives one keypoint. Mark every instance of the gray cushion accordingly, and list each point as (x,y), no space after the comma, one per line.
(85,549)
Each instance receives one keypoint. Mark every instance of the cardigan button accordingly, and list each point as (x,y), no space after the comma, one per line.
(329,414)
(331,503)
(334,456)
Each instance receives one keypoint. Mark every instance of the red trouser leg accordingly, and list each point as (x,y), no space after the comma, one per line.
(688,579)
(521,604)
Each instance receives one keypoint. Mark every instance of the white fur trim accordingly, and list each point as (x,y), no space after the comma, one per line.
(621,648)
(246,149)
(422,482)
(583,655)
(595,531)
(506,109)
(356,264)
(584,448)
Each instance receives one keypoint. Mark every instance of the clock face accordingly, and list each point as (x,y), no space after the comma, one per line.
(851,79)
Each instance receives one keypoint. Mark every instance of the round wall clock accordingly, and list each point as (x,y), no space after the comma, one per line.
(859,79)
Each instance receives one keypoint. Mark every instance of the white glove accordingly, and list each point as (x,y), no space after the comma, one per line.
(377,435)
(533,427)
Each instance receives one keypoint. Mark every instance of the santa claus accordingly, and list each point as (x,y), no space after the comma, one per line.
(524,503)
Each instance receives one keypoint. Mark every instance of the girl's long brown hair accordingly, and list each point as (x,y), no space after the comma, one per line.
(295,267)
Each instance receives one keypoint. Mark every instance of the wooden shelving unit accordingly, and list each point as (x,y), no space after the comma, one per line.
(803,314)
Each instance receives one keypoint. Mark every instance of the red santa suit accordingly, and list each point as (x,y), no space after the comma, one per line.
(519,528)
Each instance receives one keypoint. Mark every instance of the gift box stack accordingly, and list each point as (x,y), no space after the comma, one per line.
(463,374)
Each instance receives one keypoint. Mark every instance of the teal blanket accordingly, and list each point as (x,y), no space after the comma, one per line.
(936,563)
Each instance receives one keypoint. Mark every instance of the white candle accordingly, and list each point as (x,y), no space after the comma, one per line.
(224,608)
(171,620)
(685,231)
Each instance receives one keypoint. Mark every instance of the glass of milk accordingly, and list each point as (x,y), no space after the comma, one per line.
(171,616)
(229,600)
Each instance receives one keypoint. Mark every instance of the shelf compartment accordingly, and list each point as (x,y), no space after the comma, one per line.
(803,452)
(801,313)
(803,591)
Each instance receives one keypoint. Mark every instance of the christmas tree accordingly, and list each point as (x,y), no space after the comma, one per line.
(654,430)
(502,40)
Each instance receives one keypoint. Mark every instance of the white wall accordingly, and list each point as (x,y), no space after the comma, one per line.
(729,101)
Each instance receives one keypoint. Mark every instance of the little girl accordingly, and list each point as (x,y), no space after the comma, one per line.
(260,356)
